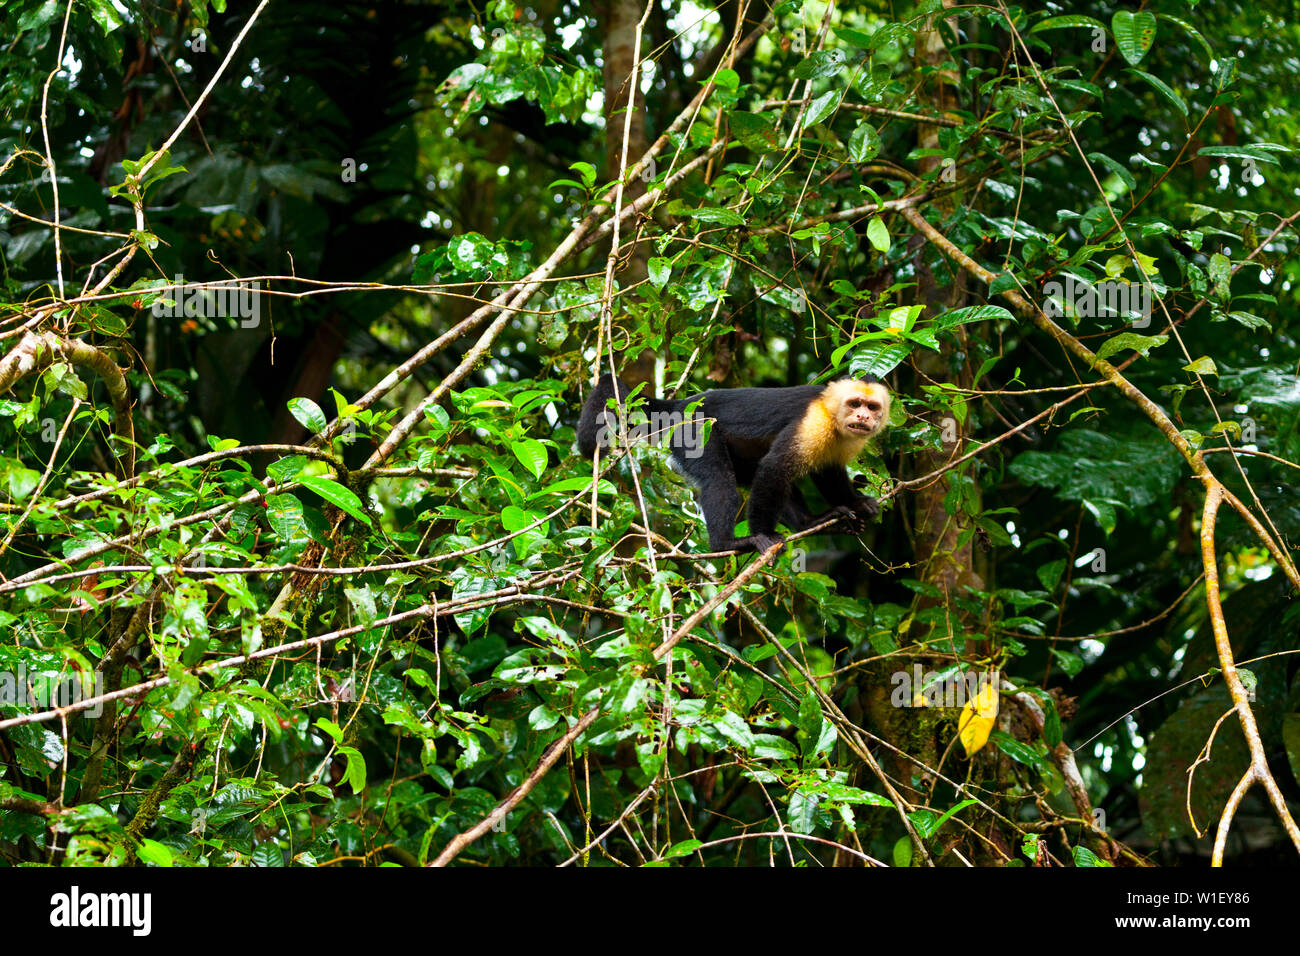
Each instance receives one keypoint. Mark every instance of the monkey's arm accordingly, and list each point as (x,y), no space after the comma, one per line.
(797,514)
(834,484)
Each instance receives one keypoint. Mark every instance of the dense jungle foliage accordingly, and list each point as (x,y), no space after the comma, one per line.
(300,564)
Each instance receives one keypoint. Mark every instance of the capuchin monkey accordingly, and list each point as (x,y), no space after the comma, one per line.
(766,438)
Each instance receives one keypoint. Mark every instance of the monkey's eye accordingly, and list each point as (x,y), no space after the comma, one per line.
(854,403)
(874,406)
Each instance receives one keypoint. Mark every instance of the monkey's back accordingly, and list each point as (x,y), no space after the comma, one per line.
(758,414)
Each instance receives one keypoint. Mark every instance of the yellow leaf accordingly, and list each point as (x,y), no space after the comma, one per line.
(978,716)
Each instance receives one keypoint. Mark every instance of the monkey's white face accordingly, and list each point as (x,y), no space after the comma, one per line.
(861,408)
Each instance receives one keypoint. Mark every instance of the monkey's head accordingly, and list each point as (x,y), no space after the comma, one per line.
(861,408)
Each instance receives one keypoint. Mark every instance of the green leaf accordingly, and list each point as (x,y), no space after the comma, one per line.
(308,414)
(19,481)
(931,826)
(569,485)
(822,107)
(660,269)
(802,812)
(542,718)
(732,727)
(331,728)
(685,848)
(286,468)
(1225,73)
(864,143)
(1262,153)
(1051,721)
(362,602)
(772,747)
(879,360)
(754,130)
(438,418)
(718,215)
(1085,857)
(1071,20)
(899,33)
(151,851)
(1029,845)
(355,774)
(1115,167)
(810,723)
(337,495)
(1130,340)
(60,377)
(1191,31)
(1104,512)
(284,513)
(1017,751)
(1049,574)
(586,171)
(626,694)
(1251,321)
(1069,662)
(878,234)
(1134,33)
(974,313)
(514,518)
(820,64)
(531,454)
(903,851)
(1164,89)
(161,169)
(727,79)
(853,37)
(268,855)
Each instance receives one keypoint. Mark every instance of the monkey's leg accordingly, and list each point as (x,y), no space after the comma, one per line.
(769,497)
(715,480)
(796,515)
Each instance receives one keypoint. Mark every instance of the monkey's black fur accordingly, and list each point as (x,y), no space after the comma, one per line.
(752,443)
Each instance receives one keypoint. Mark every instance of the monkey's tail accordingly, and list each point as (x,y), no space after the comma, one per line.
(594,411)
